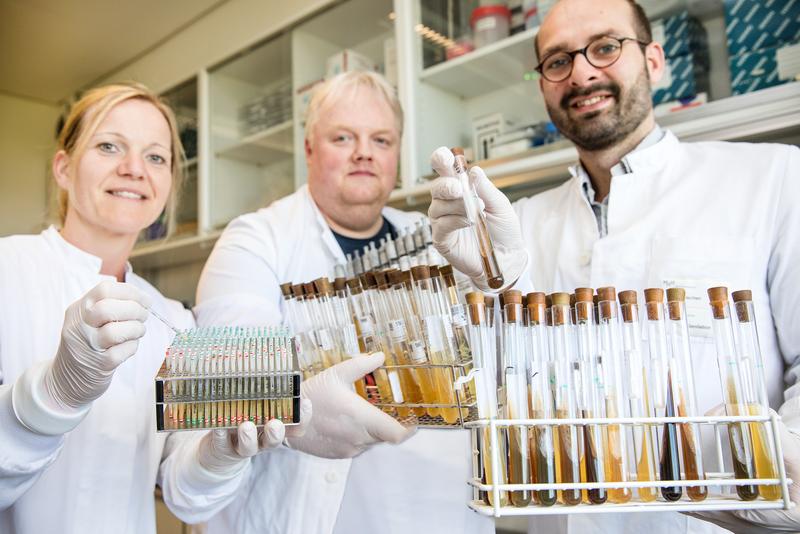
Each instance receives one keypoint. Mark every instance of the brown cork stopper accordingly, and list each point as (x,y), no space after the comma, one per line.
(381,279)
(548,301)
(676,296)
(339,283)
(286,290)
(434,270)
(654,294)
(488,301)
(407,279)
(512,296)
(457,151)
(584,294)
(309,290)
(742,300)
(654,298)
(475,307)
(742,295)
(606,293)
(718,297)
(420,272)
(355,285)
(447,273)
(297,291)
(628,303)
(395,277)
(560,308)
(323,287)
(560,299)
(368,280)
(535,304)
(513,305)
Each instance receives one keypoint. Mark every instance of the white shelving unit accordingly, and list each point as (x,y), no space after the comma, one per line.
(237,172)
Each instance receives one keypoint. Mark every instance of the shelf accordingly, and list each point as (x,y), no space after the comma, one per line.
(263,147)
(487,69)
(742,117)
(174,251)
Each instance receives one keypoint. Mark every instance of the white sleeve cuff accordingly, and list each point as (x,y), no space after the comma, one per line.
(29,401)
(21,450)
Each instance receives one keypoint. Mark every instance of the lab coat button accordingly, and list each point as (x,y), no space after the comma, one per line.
(331,477)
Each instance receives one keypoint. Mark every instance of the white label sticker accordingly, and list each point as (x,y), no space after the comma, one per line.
(433,333)
(350,340)
(698,313)
(365,322)
(324,341)
(459,317)
(397,391)
(448,327)
(397,330)
(484,24)
(418,352)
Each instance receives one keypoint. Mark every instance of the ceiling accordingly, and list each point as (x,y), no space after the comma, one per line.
(51,48)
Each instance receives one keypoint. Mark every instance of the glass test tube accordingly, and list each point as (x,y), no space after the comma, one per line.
(494,277)
(609,362)
(664,390)
(458,316)
(732,392)
(758,401)
(590,394)
(685,398)
(569,436)
(543,455)
(482,341)
(516,396)
(437,344)
(637,373)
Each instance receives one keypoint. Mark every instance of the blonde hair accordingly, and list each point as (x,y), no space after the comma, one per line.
(85,117)
(331,90)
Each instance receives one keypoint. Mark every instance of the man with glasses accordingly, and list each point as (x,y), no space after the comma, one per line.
(645,210)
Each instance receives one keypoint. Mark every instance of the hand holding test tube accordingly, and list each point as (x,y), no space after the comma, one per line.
(452,213)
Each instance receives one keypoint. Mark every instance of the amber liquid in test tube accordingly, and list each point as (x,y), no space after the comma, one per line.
(589,393)
(516,395)
(609,363)
(435,338)
(482,341)
(758,401)
(543,455)
(569,436)
(663,391)
(494,277)
(733,393)
(678,329)
(638,393)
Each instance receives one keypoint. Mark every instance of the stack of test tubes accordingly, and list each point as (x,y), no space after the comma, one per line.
(222,377)
(582,413)
(416,317)
(411,247)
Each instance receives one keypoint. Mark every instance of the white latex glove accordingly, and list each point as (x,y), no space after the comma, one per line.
(101,330)
(344,425)
(455,239)
(225,452)
(765,521)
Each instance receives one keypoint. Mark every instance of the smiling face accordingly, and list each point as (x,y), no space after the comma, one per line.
(599,108)
(352,156)
(120,184)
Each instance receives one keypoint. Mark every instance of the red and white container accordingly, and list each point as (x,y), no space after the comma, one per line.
(490,24)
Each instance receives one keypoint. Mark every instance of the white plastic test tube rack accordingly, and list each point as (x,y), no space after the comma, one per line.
(717,499)
(222,377)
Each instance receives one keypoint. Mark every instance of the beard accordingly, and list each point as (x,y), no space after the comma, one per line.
(604,128)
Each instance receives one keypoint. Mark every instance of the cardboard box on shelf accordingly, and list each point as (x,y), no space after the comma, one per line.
(764,68)
(759,24)
(683,78)
(682,34)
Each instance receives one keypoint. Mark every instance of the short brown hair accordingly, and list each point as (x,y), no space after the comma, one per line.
(85,117)
(641,25)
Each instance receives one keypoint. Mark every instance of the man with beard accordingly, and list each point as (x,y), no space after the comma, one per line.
(645,210)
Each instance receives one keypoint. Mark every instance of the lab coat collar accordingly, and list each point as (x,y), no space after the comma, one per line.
(327,235)
(648,155)
(75,256)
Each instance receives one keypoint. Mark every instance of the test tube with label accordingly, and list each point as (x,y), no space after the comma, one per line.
(543,455)
(569,436)
(664,391)
(482,341)
(638,393)
(683,378)
(590,394)
(516,395)
(733,392)
(610,368)
(757,399)
(476,218)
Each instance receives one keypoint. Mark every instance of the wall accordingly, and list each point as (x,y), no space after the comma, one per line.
(27,130)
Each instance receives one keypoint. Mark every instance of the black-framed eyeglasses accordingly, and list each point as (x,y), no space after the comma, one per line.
(600,53)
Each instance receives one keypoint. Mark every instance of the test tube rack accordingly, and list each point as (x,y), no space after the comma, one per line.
(720,483)
(222,377)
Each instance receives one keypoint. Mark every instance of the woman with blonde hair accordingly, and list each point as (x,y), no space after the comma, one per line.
(79,350)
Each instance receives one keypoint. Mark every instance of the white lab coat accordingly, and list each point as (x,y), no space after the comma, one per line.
(100,476)
(418,486)
(686,214)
